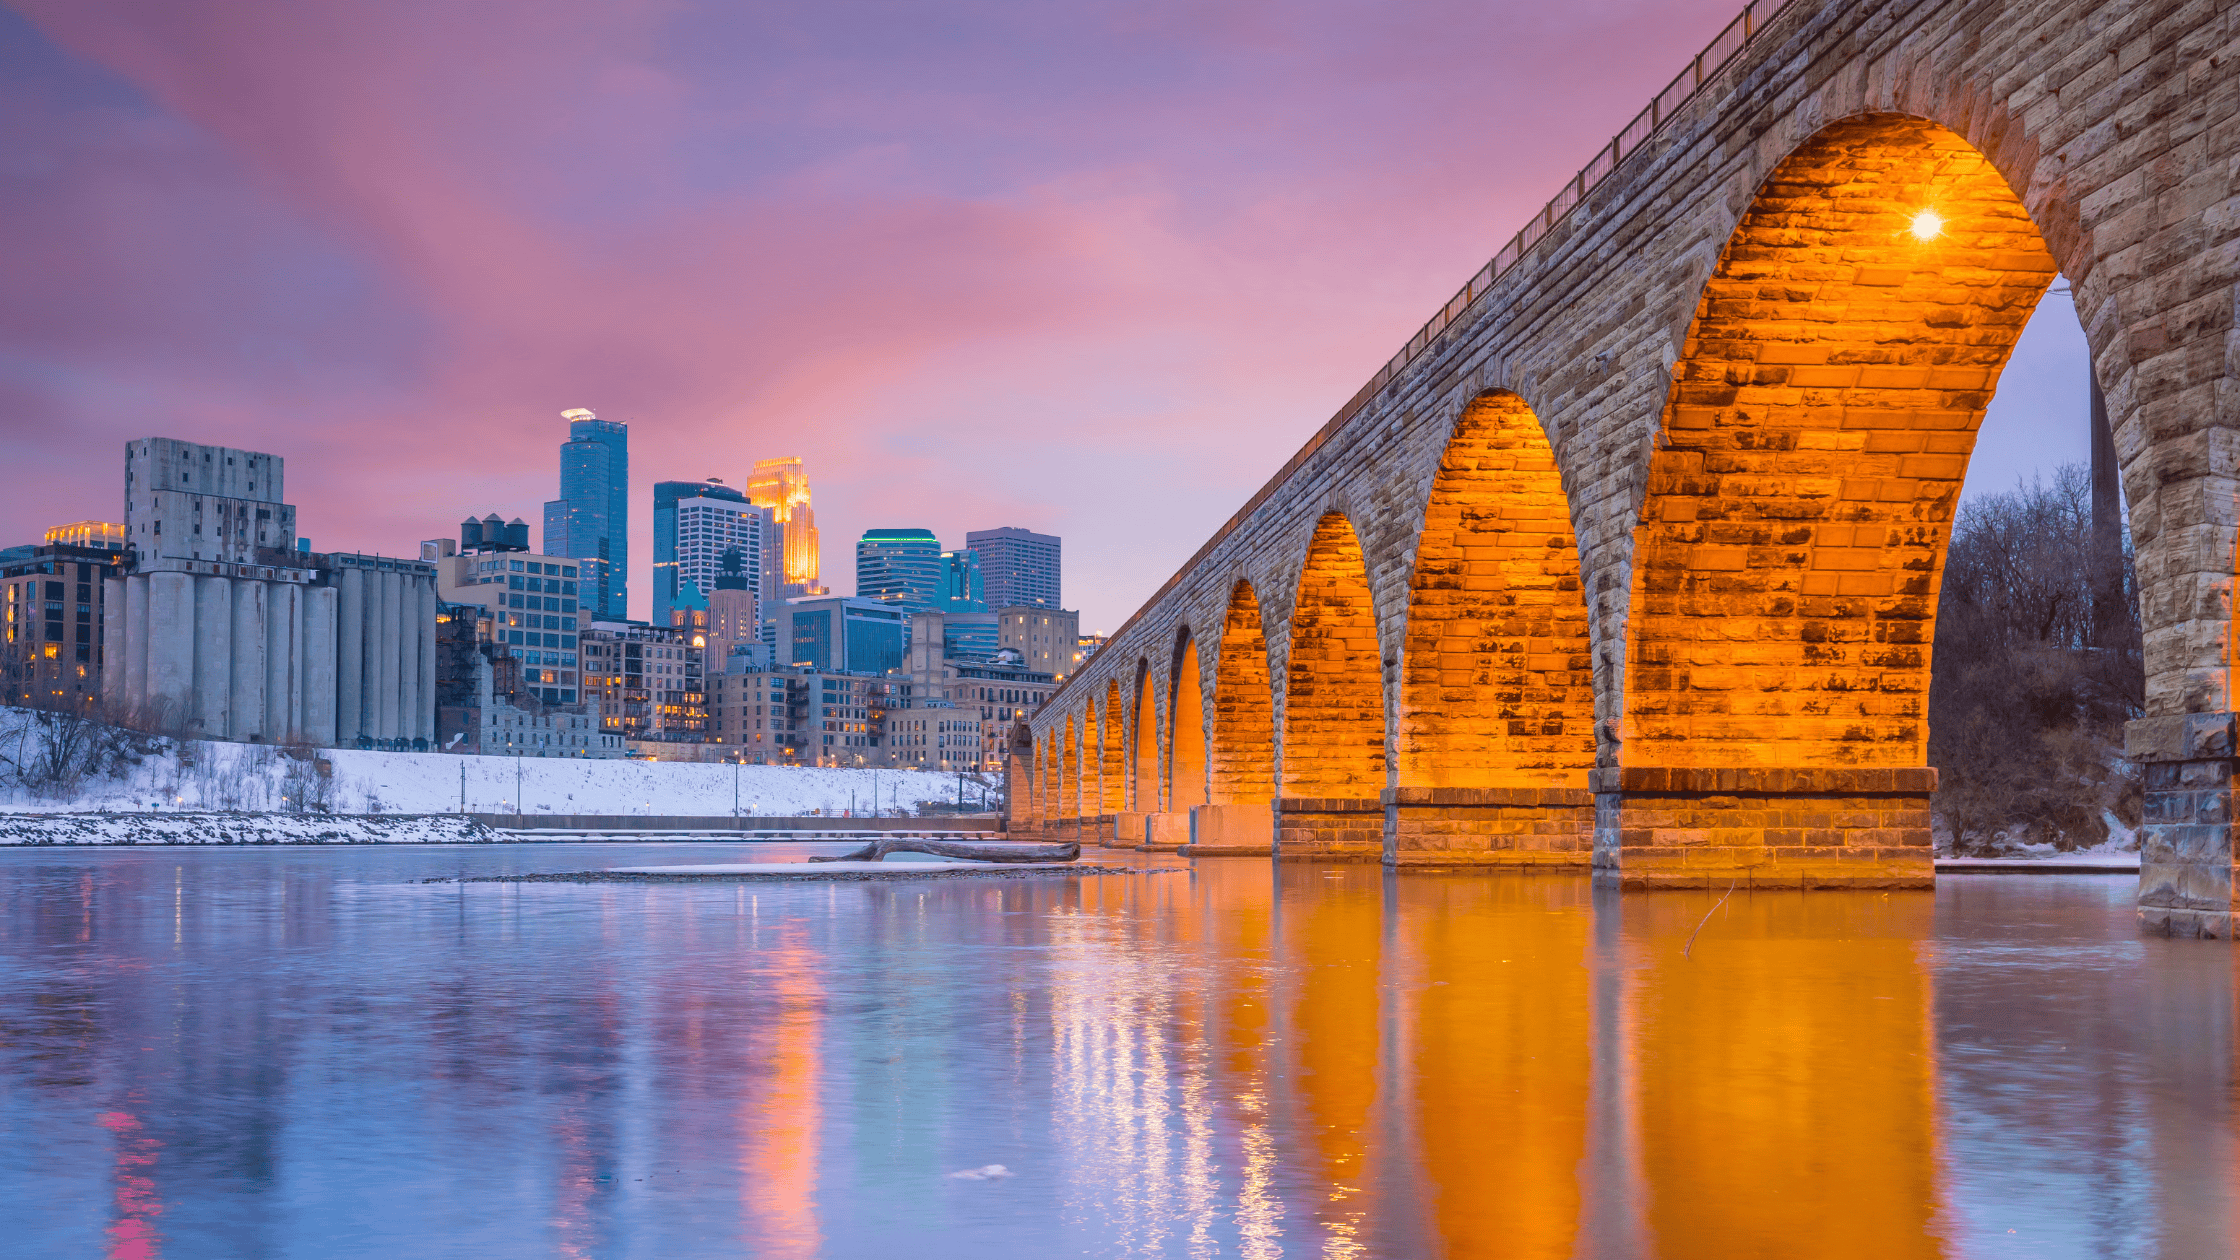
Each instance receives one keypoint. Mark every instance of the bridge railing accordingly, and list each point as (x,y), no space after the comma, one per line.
(1723,48)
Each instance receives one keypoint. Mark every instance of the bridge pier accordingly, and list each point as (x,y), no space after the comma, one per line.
(1329,829)
(2185,841)
(1167,832)
(1763,827)
(1494,827)
(1235,830)
(1126,831)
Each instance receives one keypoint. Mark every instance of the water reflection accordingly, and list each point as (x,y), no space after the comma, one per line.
(1783,1074)
(1497,1021)
(283,1053)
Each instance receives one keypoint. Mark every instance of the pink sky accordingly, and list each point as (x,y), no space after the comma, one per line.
(1094,269)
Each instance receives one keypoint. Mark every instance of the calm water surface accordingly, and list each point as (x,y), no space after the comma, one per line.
(305,1052)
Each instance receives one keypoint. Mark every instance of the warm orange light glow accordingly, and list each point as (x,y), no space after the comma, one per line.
(1927,225)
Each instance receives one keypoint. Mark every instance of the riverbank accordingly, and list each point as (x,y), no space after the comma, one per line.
(186,828)
(193,827)
(151,774)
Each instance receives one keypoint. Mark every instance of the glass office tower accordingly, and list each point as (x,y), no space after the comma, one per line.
(961,589)
(590,521)
(688,550)
(899,566)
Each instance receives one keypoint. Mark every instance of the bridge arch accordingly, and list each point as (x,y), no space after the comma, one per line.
(1065,771)
(1497,682)
(1084,765)
(1333,759)
(1112,753)
(1243,755)
(1186,726)
(1143,744)
(1792,534)
(1826,400)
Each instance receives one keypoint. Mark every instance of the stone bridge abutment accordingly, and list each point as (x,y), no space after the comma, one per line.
(1631,558)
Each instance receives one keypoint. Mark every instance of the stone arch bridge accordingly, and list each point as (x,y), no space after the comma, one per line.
(1630,558)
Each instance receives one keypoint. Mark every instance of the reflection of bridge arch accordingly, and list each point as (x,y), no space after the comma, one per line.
(1757,389)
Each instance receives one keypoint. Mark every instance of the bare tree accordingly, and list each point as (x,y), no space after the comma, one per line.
(2033,676)
(54,751)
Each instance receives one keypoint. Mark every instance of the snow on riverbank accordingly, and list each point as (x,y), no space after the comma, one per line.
(201,776)
(185,828)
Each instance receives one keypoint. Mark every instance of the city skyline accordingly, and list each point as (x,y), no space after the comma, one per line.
(1025,298)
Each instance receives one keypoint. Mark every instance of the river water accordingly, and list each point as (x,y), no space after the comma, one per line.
(307,1052)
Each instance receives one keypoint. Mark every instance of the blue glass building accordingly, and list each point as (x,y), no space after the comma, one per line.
(902,567)
(961,591)
(857,636)
(590,521)
(669,574)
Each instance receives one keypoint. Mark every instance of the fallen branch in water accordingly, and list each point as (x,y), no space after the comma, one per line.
(1707,917)
(879,849)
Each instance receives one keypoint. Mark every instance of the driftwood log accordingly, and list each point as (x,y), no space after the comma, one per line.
(879,849)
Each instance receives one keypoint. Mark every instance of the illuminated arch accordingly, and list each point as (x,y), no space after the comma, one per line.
(1786,563)
(1186,729)
(1244,731)
(1049,777)
(1333,697)
(1497,682)
(1112,748)
(1068,775)
(1143,744)
(1085,767)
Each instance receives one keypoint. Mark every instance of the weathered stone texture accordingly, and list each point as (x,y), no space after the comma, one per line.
(1754,392)
(1691,827)
(1490,827)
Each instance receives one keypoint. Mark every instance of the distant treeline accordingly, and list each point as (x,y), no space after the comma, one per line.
(2034,674)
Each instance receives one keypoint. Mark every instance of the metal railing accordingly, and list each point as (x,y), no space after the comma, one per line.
(1722,49)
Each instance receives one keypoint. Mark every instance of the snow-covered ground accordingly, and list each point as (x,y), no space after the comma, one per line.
(201,776)
(183,828)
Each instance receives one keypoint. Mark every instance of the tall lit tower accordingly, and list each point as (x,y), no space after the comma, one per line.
(782,486)
(590,521)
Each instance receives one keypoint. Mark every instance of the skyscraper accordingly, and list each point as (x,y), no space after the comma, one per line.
(961,589)
(590,521)
(693,523)
(1017,567)
(899,566)
(782,486)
